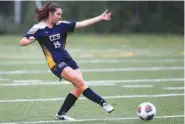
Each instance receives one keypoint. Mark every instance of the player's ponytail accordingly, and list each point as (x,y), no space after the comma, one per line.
(43,13)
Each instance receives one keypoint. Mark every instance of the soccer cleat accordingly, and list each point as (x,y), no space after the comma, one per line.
(64,117)
(107,107)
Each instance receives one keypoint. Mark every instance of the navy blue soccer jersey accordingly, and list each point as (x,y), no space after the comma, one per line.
(52,40)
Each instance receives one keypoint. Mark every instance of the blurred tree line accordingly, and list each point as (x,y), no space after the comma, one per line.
(127,16)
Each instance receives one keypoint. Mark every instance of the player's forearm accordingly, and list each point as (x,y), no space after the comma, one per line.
(88,22)
(24,41)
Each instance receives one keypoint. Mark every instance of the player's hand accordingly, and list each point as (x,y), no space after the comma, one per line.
(106,15)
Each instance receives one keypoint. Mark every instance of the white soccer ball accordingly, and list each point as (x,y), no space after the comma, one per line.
(146,111)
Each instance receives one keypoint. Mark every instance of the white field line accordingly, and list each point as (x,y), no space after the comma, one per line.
(4,79)
(27,81)
(92,61)
(92,120)
(174,88)
(137,86)
(98,82)
(54,83)
(132,69)
(82,98)
(97,70)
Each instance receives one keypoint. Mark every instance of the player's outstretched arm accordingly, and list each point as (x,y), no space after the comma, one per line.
(105,16)
(25,41)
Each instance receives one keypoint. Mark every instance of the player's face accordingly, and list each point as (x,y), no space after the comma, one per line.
(56,16)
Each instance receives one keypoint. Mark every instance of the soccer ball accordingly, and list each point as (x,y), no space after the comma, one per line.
(146,111)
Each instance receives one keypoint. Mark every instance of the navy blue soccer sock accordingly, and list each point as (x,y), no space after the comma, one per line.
(68,103)
(90,94)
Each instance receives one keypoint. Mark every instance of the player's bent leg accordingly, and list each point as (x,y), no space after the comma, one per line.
(90,94)
(79,86)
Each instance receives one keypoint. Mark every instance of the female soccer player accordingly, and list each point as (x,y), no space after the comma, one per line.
(51,33)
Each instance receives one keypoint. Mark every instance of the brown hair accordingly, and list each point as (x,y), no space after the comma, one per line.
(43,13)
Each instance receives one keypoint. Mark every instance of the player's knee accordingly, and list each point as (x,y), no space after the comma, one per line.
(80,84)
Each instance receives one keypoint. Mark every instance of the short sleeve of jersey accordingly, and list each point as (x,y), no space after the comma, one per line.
(68,26)
(32,32)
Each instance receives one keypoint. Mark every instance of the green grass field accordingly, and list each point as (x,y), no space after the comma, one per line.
(125,69)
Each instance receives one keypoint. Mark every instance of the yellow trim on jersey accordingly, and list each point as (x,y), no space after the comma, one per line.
(49,58)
